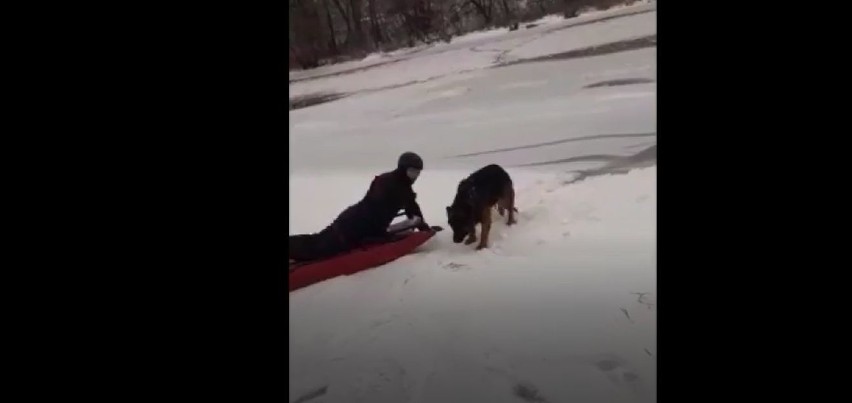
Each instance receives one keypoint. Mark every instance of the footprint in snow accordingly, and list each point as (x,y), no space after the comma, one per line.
(452,266)
(528,393)
(312,395)
(613,368)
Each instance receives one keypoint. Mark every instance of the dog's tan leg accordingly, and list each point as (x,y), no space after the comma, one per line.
(501,205)
(471,237)
(510,196)
(486,228)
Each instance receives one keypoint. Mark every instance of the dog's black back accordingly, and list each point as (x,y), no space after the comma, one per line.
(486,184)
(479,191)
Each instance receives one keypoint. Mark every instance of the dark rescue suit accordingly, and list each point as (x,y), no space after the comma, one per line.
(366,221)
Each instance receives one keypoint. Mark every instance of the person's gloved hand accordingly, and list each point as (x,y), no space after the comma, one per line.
(427,227)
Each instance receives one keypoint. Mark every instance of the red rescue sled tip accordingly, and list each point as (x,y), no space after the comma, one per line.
(357,260)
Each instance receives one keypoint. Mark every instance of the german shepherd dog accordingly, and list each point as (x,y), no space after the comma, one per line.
(475,197)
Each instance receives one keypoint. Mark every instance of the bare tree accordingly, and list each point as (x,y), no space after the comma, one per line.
(332,40)
(306,37)
(357,29)
(341,8)
(507,13)
(485,8)
(375,25)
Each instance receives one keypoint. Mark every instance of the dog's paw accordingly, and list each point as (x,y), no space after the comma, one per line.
(481,247)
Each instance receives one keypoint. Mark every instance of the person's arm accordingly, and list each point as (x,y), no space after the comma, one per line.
(412,209)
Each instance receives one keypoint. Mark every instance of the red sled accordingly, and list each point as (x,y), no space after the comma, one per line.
(357,260)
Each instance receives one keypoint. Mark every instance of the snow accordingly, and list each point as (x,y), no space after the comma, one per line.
(483,110)
(479,35)
(591,11)
(561,307)
(542,306)
(370,60)
(630,27)
(470,52)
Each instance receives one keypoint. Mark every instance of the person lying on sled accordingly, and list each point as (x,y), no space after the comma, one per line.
(367,221)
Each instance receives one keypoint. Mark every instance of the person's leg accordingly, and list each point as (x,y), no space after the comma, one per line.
(302,247)
(334,241)
(404,225)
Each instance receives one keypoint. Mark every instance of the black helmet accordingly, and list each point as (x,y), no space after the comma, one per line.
(409,160)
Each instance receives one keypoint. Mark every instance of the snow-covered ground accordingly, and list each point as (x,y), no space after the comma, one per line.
(512,106)
(477,50)
(634,26)
(562,306)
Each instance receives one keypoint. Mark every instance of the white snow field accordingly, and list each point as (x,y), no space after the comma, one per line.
(562,306)
(478,50)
